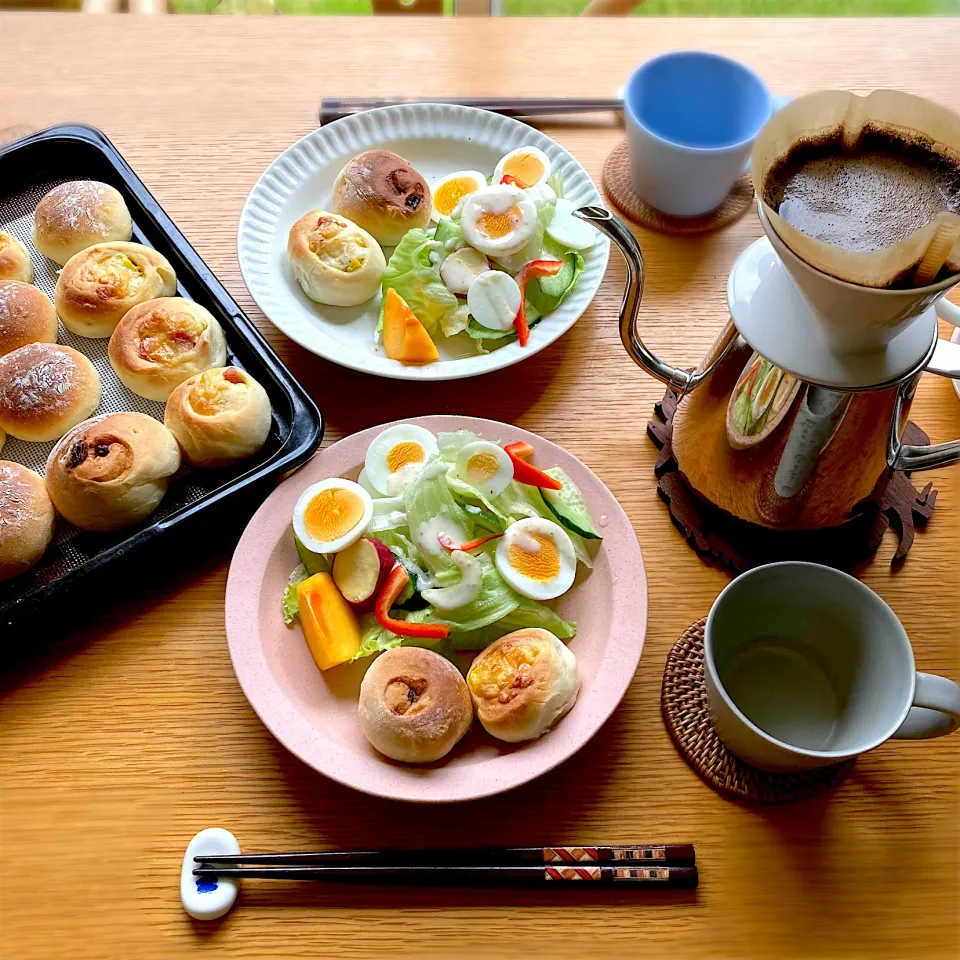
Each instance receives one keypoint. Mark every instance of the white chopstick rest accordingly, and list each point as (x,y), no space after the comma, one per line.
(205,899)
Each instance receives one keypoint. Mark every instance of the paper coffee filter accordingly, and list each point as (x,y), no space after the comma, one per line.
(826,115)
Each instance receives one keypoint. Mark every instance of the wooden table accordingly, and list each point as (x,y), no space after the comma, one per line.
(121,743)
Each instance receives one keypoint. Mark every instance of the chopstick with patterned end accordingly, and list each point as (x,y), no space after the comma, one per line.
(669,854)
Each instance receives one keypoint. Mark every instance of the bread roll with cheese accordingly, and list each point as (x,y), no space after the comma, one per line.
(219,416)
(379,191)
(100,284)
(76,215)
(14,259)
(46,388)
(159,344)
(414,705)
(26,519)
(523,683)
(26,316)
(111,471)
(334,260)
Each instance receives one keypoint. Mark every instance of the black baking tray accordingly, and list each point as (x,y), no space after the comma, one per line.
(77,151)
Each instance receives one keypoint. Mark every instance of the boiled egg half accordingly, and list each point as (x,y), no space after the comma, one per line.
(536,558)
(528,165)
(397,455)
(331,515)
(569,230)
(494,300)
(448,191)
(485,466)
(498,220)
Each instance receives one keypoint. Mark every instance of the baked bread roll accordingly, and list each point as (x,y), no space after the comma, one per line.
(414,705)
(111,471)
(334,260)
(382,193)
(219,416)
(76,215)
(46,388)
(26,519)
(159,344)
(100,284)
(523,683)
(14,259)
(26,316)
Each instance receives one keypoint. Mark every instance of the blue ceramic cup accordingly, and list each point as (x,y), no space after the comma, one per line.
(691,120)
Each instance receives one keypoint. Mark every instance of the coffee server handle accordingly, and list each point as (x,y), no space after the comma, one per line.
(935,711)
(945,362)
(683,381)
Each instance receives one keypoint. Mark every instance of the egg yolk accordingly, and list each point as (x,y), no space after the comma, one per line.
(332,514)
(403,454)
(166,338)
(116,273)
(495,226)
(449,194)
(541,565)
(503,672)
(527,167)
(482,466)
(214,389)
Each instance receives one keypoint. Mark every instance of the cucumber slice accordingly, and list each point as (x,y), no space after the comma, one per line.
(447,230)
(483,518)
(314,562)
(556,286)
(569,506)
(547,293)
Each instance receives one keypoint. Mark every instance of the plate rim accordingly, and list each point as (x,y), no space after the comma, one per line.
(498,359)
(241,616)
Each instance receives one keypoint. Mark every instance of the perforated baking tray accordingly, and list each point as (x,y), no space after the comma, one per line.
(28,169)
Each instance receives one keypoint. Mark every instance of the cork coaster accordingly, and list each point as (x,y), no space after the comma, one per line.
(683,703)
(616,183)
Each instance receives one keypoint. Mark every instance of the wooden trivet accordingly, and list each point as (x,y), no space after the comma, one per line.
(683,703)
(616,183)
(895,503)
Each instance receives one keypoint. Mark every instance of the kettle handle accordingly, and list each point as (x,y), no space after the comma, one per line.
(683,381)
(945,363)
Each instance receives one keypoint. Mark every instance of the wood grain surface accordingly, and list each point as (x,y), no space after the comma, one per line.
(121,741)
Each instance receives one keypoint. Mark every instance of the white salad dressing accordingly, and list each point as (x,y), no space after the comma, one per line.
(453,244)
(525,542)
(398,480)
(462,593)
(425,536)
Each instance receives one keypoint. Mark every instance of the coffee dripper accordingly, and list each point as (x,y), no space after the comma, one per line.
(840,440)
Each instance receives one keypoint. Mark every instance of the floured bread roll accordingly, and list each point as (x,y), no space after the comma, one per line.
(14,259)
(523,683)
(26,519)
(111,471)
(334,260)
(159,344)
(46,388)
(101,283)
(76,215)
(26,316)
(219,416)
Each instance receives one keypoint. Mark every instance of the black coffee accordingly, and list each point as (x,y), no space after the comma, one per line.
(865,200)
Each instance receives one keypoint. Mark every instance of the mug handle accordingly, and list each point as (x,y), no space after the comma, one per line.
(935,711)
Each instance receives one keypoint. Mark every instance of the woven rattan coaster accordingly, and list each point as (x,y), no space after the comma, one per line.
(683,702)
(616,183)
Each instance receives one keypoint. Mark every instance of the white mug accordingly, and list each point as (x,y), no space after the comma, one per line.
(806,666)
(691,120)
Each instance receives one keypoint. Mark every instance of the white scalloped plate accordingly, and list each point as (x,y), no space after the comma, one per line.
(436,139)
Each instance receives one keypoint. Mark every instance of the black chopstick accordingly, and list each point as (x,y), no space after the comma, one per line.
(673,878)
(334,108)
(669,854)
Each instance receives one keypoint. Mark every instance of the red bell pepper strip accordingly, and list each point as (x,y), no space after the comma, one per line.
(469,545)
(514,181)
(524,472)
(520,449)
(534,269)
(397,579)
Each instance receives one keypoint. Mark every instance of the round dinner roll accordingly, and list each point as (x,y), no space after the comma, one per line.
(76,215)
(159,344)
(14,259)
(112,470)
(46,388)
(26,519)
(334,260)
(382,193)
(523,683)
(26,316)
(100,284)
(414,705)
(219,416)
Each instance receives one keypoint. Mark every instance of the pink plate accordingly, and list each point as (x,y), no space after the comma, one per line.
(314,714)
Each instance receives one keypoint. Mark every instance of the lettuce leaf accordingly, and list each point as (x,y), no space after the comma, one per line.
(410,272)
(451,443)
(529,613)
(375,639)
(291,606)
(479,332)
(555,182)
(431,509)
